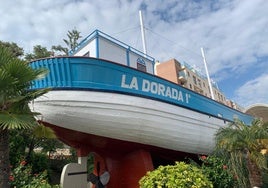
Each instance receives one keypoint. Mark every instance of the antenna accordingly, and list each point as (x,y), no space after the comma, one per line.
(143,34)
(209,82)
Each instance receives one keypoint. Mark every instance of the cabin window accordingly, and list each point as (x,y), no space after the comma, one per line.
(87,54)
(141,65)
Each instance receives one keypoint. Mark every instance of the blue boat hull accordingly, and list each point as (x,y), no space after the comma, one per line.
(107,99)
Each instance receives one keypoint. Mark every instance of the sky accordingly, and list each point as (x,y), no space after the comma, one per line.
(233,34)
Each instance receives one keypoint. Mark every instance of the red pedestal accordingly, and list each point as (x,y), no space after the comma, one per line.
(127,162)
(125,171)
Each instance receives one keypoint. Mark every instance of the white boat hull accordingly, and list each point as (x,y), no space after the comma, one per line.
(130,118)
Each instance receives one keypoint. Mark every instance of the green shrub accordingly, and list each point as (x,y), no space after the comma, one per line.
(180,175)
(39,162)
(23,177)
(218,172)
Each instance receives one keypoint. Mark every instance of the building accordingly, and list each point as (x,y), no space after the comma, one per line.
(187,76)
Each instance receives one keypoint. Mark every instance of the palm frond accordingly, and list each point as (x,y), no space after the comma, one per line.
(16,77)
(23,72)
(26,97)
(16,121)
(41,131)
(33,94)
(7,83)
(259,159)
(225,137)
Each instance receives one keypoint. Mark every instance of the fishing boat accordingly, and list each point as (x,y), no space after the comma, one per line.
(106,99)
(103,98)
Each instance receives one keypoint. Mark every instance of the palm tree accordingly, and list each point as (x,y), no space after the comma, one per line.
(73,37)
(15,80)
(243,144)
(71,42)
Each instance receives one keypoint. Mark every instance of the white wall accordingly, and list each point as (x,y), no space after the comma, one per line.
(112,52)
(90,47)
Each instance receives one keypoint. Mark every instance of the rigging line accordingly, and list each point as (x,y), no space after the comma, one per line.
(137,40)
(173,42)
(125,30)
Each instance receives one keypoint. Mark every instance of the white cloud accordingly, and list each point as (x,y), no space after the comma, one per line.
(233,32)
(254,91)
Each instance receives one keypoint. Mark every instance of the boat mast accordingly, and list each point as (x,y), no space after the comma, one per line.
(209,82)
(143,34)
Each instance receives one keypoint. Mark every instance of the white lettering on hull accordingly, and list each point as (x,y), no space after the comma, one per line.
(155,88)
(132,85)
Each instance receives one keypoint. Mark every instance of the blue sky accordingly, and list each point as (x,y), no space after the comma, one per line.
(233,33)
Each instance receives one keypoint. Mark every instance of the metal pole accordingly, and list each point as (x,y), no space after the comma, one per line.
(209,82)
(143,34)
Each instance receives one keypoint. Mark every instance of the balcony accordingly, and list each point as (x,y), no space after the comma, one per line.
(182,76)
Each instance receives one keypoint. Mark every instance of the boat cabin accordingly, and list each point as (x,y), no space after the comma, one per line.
(103,46)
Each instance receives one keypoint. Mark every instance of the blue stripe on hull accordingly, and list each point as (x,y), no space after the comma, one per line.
(83,73)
